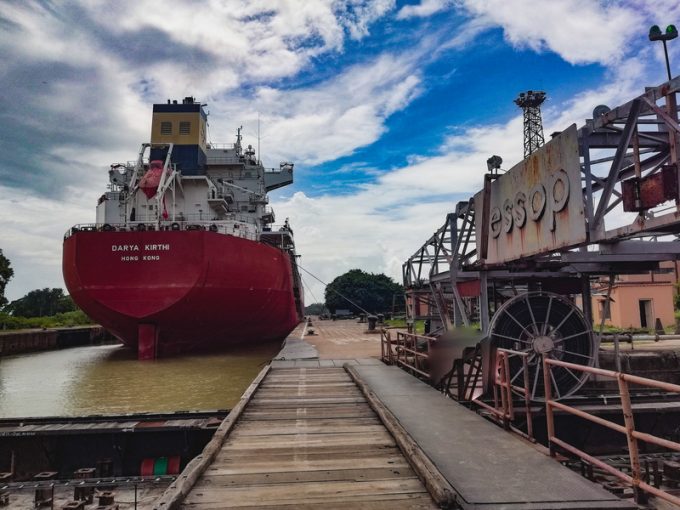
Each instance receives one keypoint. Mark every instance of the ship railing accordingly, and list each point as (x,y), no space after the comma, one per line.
(220,145)
(233,228)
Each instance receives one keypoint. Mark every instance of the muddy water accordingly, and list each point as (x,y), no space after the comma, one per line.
(109,379)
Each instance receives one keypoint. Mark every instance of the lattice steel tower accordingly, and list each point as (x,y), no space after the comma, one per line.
(530,102)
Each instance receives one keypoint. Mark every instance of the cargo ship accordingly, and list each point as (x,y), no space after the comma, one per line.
(185,253)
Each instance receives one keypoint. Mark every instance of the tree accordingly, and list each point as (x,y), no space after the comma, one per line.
(6,273)
(372,292)
(316,309)
(41,303)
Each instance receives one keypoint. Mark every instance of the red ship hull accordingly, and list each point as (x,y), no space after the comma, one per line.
(165,292)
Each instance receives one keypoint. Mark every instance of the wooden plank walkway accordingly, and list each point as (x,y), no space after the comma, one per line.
(308,438)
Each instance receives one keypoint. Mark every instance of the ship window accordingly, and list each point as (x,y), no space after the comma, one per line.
(184,128)
(166,128)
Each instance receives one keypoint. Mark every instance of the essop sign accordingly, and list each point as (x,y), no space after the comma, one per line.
(535,207)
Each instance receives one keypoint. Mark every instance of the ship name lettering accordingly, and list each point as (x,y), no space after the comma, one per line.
(151,257)
(156,247)
(129,258)
(124,247)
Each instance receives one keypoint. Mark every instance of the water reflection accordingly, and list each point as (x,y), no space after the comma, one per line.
(109,379)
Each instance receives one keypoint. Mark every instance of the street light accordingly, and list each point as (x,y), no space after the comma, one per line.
(655,34)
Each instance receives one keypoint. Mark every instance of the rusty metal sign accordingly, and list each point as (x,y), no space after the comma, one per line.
(535,207)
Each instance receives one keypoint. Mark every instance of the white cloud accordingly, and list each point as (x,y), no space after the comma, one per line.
(32,233)
(378,227)
(580,31)
(423,9)
(328,120)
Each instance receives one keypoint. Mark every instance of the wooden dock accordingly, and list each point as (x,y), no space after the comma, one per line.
(315,432)
(308,437)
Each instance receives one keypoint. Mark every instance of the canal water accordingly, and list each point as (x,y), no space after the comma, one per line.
(110,380)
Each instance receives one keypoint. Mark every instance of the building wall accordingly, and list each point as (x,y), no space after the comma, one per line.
(625,307)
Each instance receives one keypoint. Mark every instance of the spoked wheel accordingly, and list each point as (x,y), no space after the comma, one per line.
(539,323)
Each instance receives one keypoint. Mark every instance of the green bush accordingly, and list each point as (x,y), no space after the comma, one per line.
(60,320)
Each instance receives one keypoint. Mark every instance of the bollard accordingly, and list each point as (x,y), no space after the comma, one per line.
(372,320)
(82,493)
(362,318)
(658,329)
(74,505)
(381,318)
(44,495)
(671,473)
(106,498)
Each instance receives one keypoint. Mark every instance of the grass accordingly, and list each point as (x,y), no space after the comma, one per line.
(60,320)
(401,323)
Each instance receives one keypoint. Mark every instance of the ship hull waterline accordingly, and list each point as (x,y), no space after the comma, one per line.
(167,292)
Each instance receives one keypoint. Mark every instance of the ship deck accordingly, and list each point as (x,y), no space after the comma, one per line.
(350,432)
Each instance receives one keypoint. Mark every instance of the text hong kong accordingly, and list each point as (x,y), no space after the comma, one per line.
(139,252)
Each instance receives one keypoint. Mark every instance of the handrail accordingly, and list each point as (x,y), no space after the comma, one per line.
(234,228)
(504,410)
(404,350)
(628,429)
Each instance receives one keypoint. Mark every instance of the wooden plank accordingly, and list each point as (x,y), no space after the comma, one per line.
(287,402)
(316,412)
(303,428)
(339,453)
(229,467)
(302,450)
(412,501)
(339,384)
(308,440)
(304,492)
(309,422)
(305,392)
(364,474)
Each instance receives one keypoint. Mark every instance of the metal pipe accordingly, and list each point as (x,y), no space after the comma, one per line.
(549,418)
(634,379)
(593,460)
(632,442)
(508,386)
(588,416)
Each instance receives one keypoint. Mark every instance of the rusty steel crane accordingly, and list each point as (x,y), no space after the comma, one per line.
(517,257)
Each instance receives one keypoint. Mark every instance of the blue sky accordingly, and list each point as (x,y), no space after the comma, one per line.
(388,108)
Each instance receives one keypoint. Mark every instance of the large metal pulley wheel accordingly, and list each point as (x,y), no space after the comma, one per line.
(544,324)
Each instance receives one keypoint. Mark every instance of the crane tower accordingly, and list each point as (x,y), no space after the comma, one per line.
(530,103)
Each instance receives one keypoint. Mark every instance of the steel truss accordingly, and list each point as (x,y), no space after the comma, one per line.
(629,174)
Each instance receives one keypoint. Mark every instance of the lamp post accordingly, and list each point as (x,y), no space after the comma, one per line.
(655,34)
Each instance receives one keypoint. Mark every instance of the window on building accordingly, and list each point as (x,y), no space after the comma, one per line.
(166,128)
(184,128)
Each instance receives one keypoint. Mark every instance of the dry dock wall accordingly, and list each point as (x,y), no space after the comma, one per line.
(32,340)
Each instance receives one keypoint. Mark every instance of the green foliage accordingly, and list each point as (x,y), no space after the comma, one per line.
(6,273)
(372,292)
(401,323)
(61,320)
(41,303)
(316,309)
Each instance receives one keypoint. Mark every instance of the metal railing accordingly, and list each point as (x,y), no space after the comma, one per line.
(233,228)
(408,350)
(628,429)
(504,391)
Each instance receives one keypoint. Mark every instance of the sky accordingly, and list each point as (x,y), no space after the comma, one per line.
(389,109)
